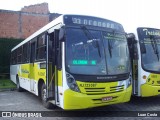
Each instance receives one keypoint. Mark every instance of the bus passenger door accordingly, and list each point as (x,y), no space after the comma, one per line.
(50,65)
(58,71)
(55,74)
(54,80)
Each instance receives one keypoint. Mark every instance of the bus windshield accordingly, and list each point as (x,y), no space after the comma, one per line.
(93,52)
(151,44)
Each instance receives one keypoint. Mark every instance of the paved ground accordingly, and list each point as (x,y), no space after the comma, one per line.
(25,101)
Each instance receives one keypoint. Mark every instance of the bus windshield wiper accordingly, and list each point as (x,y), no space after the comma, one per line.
(110,45)
(110,48)
(154,46)
(91,38)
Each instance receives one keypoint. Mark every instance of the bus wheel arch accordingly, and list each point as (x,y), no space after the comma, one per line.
(42,94)
(40,83)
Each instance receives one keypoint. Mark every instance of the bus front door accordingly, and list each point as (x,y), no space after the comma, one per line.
(50,76)
(54,72)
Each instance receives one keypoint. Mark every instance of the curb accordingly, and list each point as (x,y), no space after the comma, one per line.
(7,89)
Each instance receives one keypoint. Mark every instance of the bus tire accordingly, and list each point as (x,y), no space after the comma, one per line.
(19,89)
(45,103)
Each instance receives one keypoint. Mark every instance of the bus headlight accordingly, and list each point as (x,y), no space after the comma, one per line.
(72,83)
(129,82)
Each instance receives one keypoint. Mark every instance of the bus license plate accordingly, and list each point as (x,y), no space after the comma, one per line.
(107,98)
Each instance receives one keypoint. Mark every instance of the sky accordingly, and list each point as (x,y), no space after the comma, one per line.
(130,13)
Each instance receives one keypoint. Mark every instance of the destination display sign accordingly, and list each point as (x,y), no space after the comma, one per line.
(148,34)
(91,21)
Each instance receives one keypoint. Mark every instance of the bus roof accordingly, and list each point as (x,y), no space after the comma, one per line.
(97,21)
(57,21)
(135,32)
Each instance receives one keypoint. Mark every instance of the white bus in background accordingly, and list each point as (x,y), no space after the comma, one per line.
(144,47)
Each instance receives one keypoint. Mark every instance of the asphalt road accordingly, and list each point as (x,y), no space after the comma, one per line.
(22,102)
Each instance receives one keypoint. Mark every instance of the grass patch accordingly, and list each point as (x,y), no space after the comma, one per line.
(6,84)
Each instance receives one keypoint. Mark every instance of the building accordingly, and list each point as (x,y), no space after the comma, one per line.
(21,24)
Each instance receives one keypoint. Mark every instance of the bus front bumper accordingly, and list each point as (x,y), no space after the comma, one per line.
(149,90)
(75,100)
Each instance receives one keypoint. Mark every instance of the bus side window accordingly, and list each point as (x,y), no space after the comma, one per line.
(14,57)
(33,46)
(50,45)
(28,51)
(41,47)
(25,53)
(19,54)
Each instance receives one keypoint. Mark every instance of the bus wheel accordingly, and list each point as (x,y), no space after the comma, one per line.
(19,89)
(45,103)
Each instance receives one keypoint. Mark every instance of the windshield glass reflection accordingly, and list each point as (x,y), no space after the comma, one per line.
(94,52)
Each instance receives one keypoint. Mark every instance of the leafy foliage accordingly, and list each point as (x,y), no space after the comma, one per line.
(5,49)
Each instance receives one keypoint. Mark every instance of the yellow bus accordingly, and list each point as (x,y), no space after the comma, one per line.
(74,62)
(144,47)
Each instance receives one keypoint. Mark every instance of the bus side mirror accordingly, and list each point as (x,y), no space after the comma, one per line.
(130,36)
(131,40)
(132,44)
(61,34)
